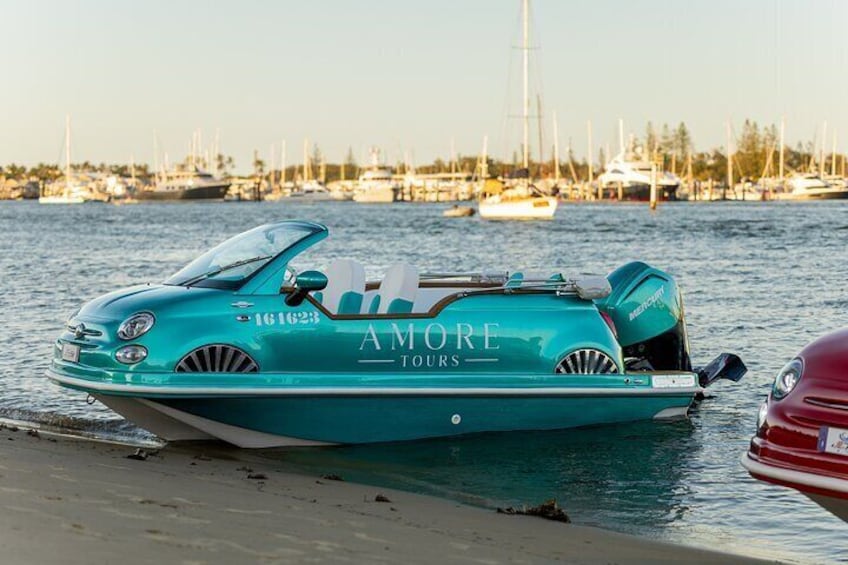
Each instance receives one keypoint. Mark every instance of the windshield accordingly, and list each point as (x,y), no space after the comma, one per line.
(231,263)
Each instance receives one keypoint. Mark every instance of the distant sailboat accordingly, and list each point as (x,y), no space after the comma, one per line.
(70,194)
(522,201)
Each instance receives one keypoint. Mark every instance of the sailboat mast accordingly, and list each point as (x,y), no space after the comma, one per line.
(729,160)
(453,158)
(282,163)
(556,150)
(484,167)
(68,152)
(621,137)
(526,66)
(782,131)
(590,157)
(271,172)
(833,157)
(306,167)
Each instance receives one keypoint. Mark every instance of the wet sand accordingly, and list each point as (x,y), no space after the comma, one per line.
(66,500)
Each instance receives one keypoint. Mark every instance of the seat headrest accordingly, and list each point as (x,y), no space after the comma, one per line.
(345,286)
(398,289)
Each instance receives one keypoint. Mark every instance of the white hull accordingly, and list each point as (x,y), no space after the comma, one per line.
(61,200)
(380,195)
(830,193)
(529,208)
(176,425)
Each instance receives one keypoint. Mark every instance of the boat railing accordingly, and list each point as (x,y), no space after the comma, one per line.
(495,277)
(587,288)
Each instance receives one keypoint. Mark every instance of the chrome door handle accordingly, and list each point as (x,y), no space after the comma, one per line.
(241,304)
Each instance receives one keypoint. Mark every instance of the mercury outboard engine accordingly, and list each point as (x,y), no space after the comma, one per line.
(646,308)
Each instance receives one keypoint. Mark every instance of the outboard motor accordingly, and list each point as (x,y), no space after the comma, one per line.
(646,308)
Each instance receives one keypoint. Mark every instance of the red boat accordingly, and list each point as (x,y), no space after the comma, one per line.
(802,428)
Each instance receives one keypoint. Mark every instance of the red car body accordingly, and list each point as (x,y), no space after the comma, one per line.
(802,437)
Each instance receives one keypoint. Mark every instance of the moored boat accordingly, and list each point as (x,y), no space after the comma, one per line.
(70,190)
(311,191)
(191,184)
(519,202)
(802,427)
(236,346)
(633,178)
(457,211)
(811,186)
(377,185)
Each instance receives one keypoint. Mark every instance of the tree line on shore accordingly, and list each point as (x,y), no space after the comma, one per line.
(755,155)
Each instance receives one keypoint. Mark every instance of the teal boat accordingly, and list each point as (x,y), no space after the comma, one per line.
(242,346)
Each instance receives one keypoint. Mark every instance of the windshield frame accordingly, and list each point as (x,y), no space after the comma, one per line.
(205,278)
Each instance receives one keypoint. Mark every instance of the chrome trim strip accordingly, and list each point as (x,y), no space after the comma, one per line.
(791,476)
(833,405)
(365,391)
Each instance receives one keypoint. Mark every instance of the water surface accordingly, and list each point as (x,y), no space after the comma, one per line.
(759,279)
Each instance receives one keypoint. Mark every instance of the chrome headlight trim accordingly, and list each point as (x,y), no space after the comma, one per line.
(136,325)
(787,379)
(131,354)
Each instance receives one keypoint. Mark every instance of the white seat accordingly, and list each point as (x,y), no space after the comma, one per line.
(345,287)
(397,291)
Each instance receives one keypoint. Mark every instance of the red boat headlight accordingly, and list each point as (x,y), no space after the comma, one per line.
(787,378)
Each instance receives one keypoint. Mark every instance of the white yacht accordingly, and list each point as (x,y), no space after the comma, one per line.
(191,184)
(377,184)
(810,186)
(634,178)
(311,191)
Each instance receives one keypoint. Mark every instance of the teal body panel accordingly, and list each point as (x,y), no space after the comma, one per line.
(518,333)
(367,420)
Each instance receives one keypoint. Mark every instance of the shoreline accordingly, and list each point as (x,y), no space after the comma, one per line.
(77,500)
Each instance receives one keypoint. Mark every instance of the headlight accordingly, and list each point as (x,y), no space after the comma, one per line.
(136,325)
(761,414)
(787,378)
(131,354)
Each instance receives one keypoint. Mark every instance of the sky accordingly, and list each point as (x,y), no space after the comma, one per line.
(413,78)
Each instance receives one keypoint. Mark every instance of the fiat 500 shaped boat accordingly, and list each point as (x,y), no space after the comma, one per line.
(240,346)
(802,427)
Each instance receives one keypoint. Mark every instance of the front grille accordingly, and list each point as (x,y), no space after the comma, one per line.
(827,403)
(587,362)
(217,358)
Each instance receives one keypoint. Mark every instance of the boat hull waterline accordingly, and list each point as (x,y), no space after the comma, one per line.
(366,415)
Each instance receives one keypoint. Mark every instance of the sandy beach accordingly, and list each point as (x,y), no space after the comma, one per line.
(67,500)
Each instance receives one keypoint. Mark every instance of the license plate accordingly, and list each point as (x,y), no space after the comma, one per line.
(833,440)
(70,352)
